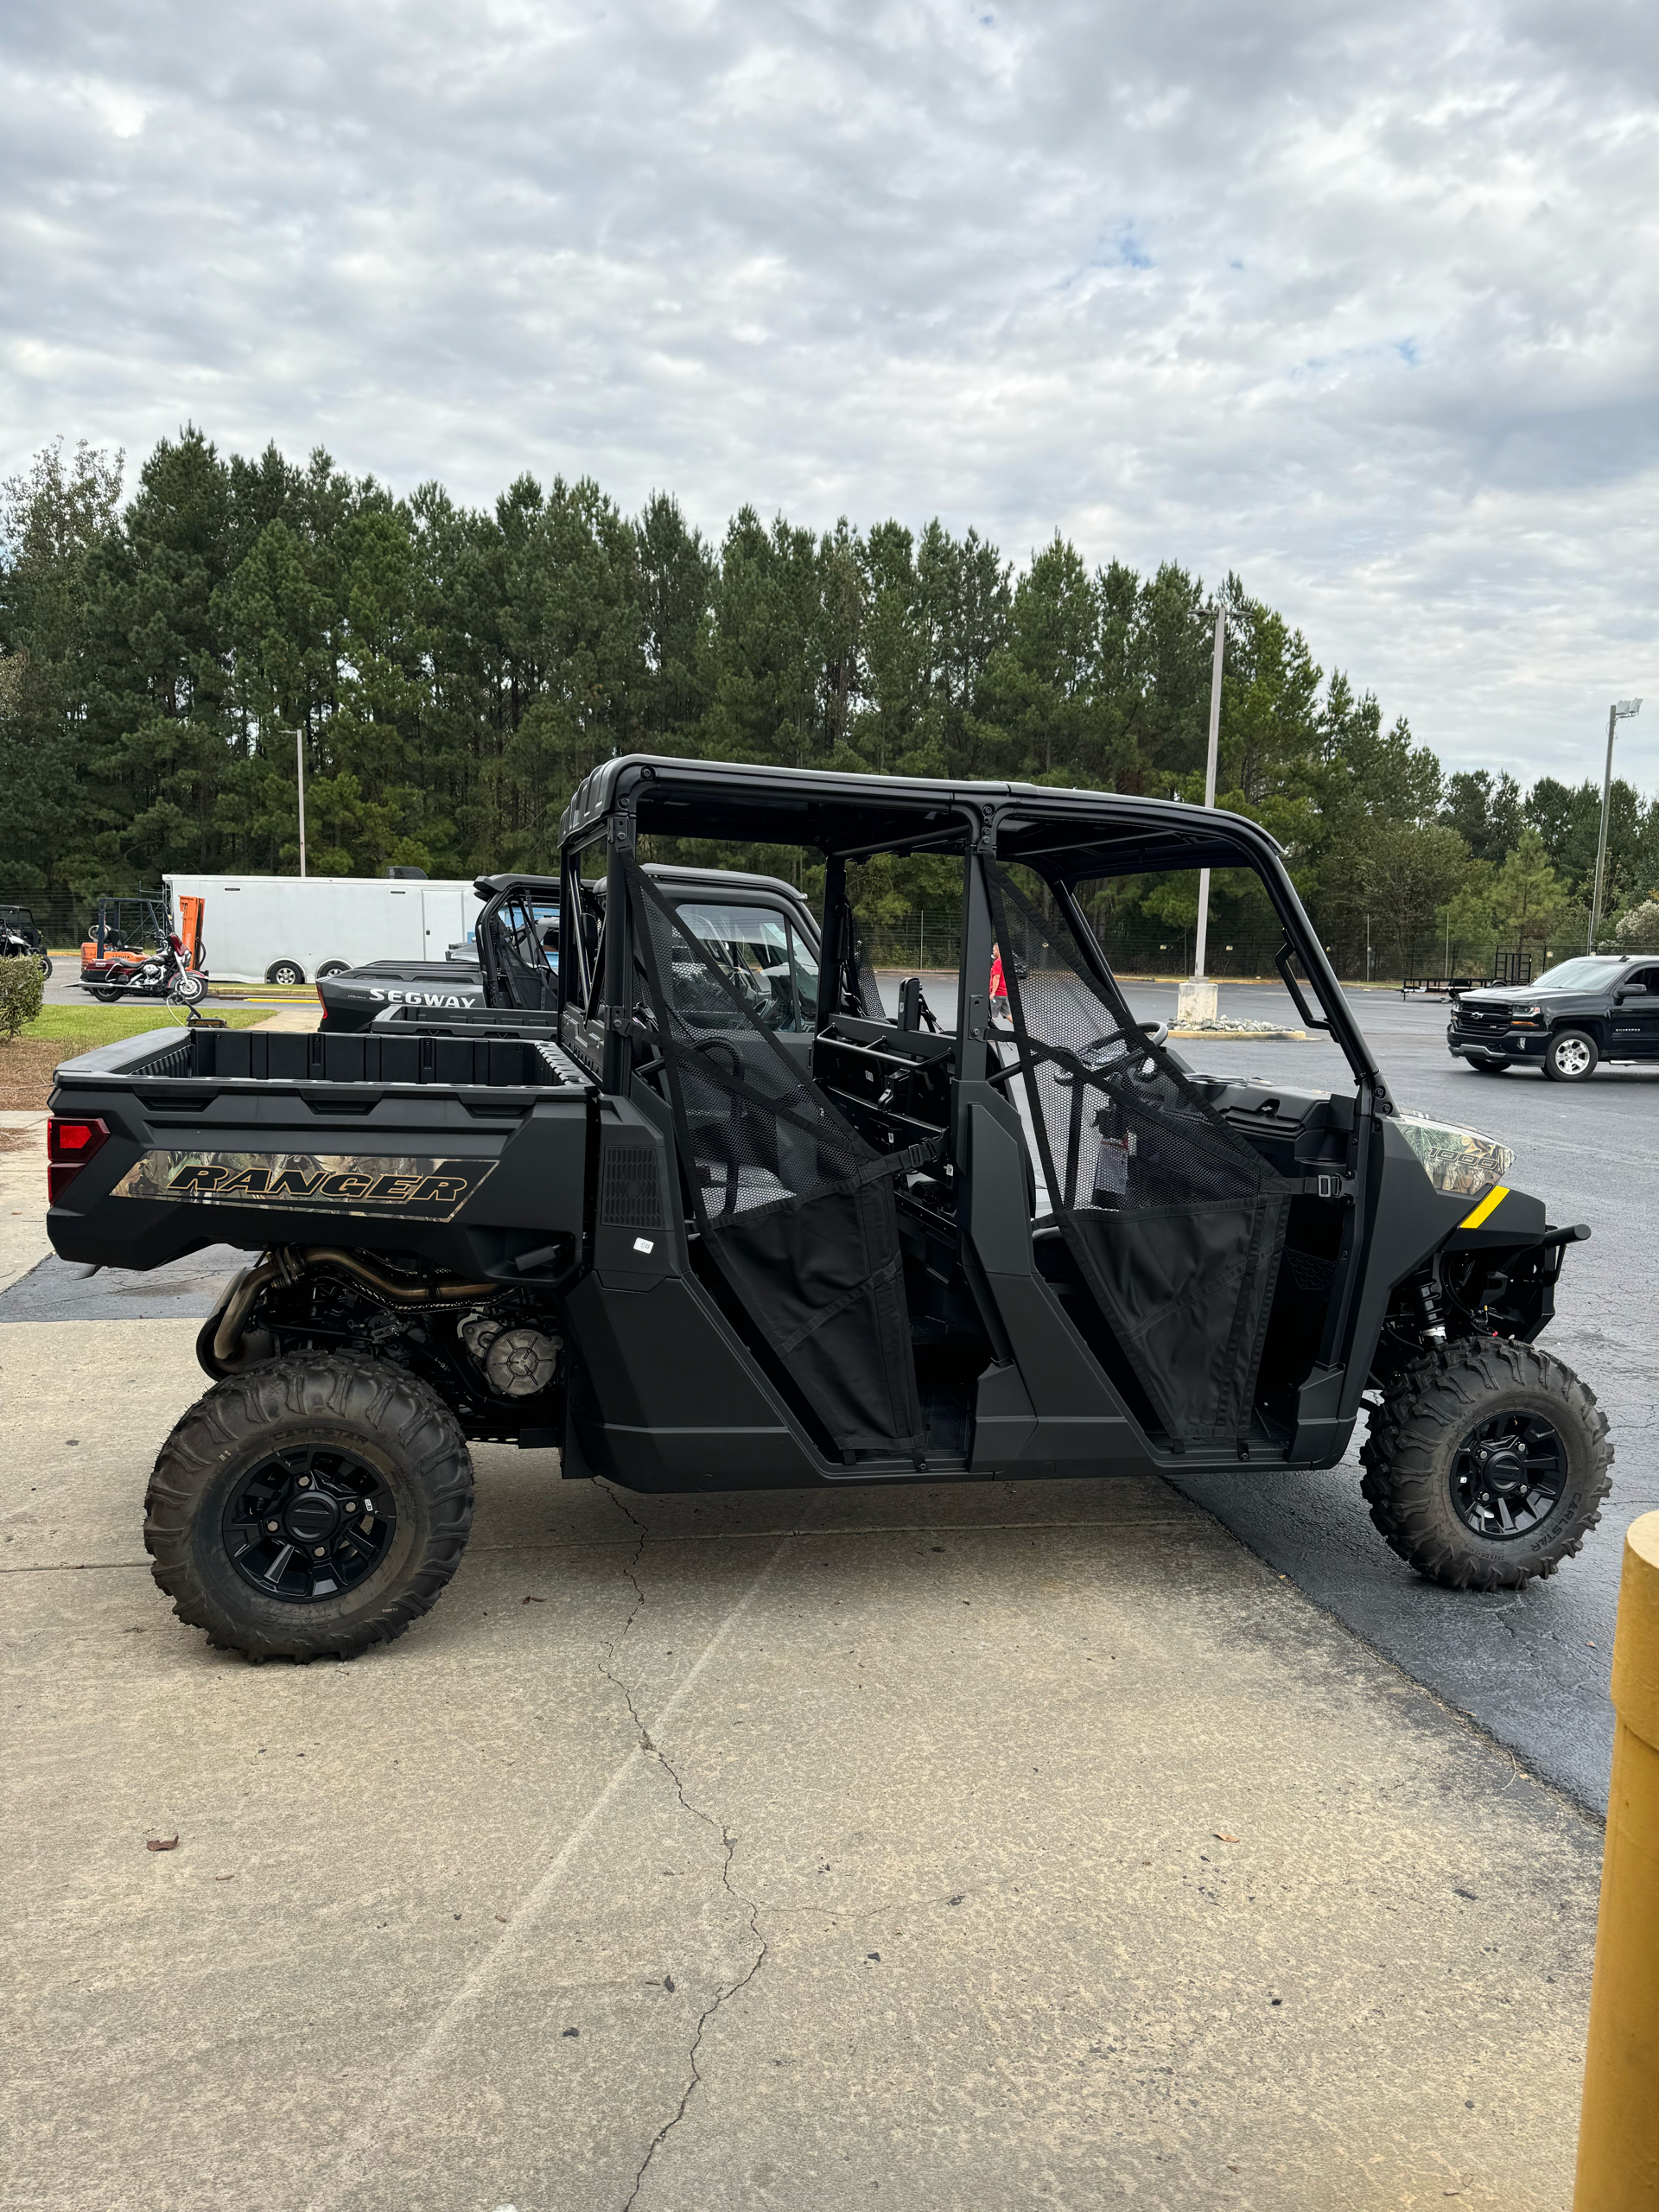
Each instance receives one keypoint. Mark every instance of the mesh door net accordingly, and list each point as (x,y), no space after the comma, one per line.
(797,1209)
(1175,1222)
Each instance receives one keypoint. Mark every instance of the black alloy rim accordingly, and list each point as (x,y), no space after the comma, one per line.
(309,1524)
(1508,1476)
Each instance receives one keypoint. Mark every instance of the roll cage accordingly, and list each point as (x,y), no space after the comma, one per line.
(986,1190)
(1067,836)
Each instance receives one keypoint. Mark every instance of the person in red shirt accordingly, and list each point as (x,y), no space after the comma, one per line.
(999,982)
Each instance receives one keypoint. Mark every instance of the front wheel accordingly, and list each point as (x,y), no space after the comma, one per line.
(1570,1056)
(1486,1464)
(287,973)
(317,1504)
(188,990)
(1489,1067)
(46,967)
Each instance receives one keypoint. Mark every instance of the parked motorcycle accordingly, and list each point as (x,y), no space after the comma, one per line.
(165,975)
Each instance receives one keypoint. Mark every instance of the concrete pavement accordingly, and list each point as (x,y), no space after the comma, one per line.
(961,1848)
(23,1242)
(972,1846)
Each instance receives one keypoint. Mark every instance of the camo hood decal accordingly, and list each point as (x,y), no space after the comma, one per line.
(402,1186)
(1458,1161)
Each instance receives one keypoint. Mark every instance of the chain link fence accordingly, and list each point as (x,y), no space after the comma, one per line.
(61,919)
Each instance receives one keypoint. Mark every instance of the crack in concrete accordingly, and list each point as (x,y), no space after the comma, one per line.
(724,1992)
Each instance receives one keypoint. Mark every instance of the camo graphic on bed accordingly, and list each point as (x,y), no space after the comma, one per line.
(402,1186)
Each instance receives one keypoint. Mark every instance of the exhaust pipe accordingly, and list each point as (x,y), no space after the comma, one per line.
(217,1352)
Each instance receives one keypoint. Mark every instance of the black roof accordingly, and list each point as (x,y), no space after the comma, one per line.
(488,886)
(823,808)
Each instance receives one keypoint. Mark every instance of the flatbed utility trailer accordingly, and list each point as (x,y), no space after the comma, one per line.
(702,1214)
(1510,969)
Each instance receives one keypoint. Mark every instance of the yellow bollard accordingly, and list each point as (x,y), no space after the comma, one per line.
(1618,2131)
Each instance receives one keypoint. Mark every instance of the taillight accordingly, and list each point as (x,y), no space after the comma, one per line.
(69,1145)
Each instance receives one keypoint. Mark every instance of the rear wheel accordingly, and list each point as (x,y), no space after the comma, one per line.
(1486,1464)
(1570,1056)
(286,972)
(106,997)
(332,968)
(315,1505)
(46,967)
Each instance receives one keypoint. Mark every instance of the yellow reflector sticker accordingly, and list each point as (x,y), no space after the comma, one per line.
(1490,1204)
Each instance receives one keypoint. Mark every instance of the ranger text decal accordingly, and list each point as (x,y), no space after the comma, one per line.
(350,1182)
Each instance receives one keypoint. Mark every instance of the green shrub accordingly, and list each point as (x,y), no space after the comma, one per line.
(23,986)
(1638,931)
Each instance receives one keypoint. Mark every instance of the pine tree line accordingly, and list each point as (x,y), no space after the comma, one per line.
(454,672)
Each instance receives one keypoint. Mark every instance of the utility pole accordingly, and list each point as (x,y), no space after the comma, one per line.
(299,762)
(1618,712)
(1196,1000)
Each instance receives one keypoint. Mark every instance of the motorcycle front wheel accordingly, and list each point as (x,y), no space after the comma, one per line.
(187,990)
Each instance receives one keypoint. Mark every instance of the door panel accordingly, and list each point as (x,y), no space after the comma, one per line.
(1169,1219)
(795,1209)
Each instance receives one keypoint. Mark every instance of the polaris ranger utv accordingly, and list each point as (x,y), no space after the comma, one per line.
(699,1212)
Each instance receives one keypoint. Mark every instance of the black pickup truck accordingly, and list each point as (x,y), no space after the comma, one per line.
(1597,1007)
(700,1211)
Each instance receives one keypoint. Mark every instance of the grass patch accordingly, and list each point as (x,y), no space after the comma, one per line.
(63,1032)
(83,1026)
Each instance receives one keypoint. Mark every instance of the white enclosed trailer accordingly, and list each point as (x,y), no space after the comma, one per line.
(291,928)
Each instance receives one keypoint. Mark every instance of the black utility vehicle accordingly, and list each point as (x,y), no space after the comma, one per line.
(352,999)
(1599,1007)
(20,939)
(700,1213)
(524,921)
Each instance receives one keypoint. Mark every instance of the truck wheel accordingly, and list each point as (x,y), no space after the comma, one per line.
(1486,1464)
(316,1505)
(46,967)
(1488,1067)
(1570,1056)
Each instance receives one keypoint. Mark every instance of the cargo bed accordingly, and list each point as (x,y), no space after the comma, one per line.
(465,1152)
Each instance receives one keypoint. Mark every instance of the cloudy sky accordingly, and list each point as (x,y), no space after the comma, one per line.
(1354,296)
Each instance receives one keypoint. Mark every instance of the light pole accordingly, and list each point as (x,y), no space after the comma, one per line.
(299,762)
(1196,1001)
(1619,711)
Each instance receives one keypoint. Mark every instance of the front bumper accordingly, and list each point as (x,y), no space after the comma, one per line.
(1497,1044)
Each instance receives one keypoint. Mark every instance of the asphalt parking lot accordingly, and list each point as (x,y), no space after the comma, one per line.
(970,1846)
(1532,1666)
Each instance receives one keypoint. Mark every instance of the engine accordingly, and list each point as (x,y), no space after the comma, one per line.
(495,1356)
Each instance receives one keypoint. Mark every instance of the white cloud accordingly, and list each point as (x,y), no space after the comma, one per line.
(1358,299)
